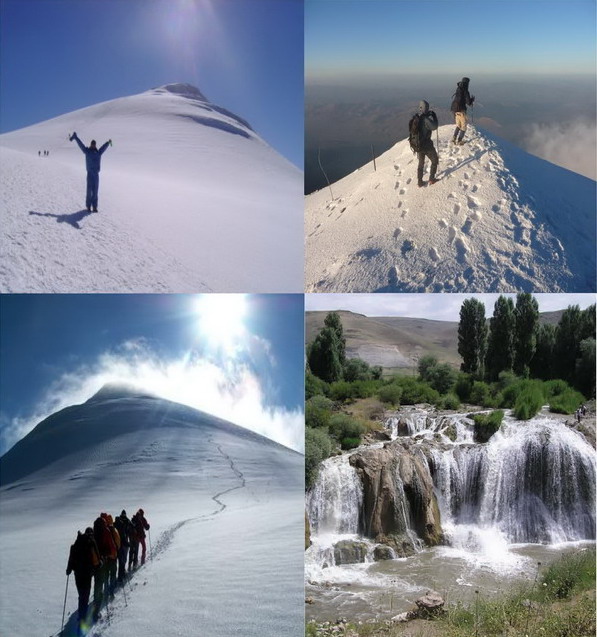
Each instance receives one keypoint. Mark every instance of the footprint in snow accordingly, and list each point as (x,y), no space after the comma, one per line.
(461,250)
(397,232)
(474,188)
(396,167)
(397,185)
(376,186)
(472,203)
(407,246)
(408,181)
(433,253)
(451,234)
(456,208)
(495,208)
(443,223)
(452,195)
(468,224)
(399,204)
(393,276)
(402,191)
(404,213)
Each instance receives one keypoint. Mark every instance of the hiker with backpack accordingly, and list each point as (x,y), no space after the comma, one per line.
(113,563)
(133,543)
(460,100)
(107,550)
(93,157)
(122,525)
(142,526)
(420,128)
(84,560)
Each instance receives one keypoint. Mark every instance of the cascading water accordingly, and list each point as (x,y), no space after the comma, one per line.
(533,483)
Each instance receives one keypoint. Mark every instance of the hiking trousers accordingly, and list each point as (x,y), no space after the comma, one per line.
(431,154)
(143,549)
(92,188)
(83,582)
(460,119)
(122,555)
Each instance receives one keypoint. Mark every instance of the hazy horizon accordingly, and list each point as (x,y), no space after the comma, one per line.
(551,116)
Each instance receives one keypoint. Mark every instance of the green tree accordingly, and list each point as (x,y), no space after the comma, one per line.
(585,367)
(525,340)
(568,338)
(542,361)
(332,320)
(500,344)
(426,363)
(472,336)
(318,447)
(588,323)
(356,369)
(324,356)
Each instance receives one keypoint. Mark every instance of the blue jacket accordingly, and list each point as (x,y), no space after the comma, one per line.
(93,156)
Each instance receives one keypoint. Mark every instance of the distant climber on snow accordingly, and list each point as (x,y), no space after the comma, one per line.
(420,128)
(460,100)
(93,156)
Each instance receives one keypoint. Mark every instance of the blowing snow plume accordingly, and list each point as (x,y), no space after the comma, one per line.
(225,507)
(190,199)
(499,220)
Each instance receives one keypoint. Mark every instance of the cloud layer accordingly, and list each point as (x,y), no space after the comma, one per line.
(231,390)
(569,144)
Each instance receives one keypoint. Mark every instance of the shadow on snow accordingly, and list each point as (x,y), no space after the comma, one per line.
(72,219)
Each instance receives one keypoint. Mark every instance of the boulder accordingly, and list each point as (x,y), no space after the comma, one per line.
(350,552)
(398,491)
(430,605)
(382,552)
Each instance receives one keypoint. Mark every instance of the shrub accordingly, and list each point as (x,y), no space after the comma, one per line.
(356,369)
(487,424)
(506,378)
(318,411)
(481,394)
(315,386)
(567,402)
(350,443)
(364,388)
(555,387)
(390,394)
(572,572)
(318,447)
(449,401)
(415,391)
(344,426)
(341,391)
(529,402)
(463,387)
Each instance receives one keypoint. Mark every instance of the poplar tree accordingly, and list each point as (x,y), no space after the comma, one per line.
(500,345)
(526,315)
(472,336)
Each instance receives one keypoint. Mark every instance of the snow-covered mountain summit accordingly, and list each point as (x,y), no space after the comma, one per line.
(225,507)
(499,219)
(191,198)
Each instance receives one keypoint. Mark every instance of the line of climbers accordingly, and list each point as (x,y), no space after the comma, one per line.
(101,552)
(422,125)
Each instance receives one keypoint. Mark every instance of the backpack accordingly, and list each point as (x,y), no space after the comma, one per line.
(414,134)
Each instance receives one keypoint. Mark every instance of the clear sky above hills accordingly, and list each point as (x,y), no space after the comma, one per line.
(348,37)
(202,350)
(247,56)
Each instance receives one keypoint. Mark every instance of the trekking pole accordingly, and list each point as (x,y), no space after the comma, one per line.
(373,155)
(64,607)
(323,171)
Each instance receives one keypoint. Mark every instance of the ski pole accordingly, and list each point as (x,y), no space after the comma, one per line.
(64,607)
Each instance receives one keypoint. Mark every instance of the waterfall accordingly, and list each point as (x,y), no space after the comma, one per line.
(533,482)
(334,503)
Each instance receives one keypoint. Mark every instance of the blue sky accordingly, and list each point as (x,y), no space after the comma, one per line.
(346,38)
(57,350)
(245,55)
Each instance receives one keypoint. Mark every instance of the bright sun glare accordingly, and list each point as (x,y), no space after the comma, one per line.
(221,320)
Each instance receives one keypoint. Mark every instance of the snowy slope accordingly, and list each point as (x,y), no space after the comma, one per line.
(190,199)
(225,507)
(498,220)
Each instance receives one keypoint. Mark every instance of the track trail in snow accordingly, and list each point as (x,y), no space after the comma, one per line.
(120,603)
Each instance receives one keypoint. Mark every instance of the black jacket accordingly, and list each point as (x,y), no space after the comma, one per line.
(462,99)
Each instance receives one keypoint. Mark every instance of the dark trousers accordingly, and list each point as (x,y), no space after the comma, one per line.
(431,154)
(143,549)
(122,555)
(133,555)
(92,188)
(99,579)
(111,578)
(83,582)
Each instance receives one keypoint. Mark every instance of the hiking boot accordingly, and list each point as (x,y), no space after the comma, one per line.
(88,208)
(421,184)
(94,209)
(433,180)
(460,142)
(454,140)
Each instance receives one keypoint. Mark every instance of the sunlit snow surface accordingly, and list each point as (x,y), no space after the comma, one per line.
(225,505)
(499,220)
(191,199)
